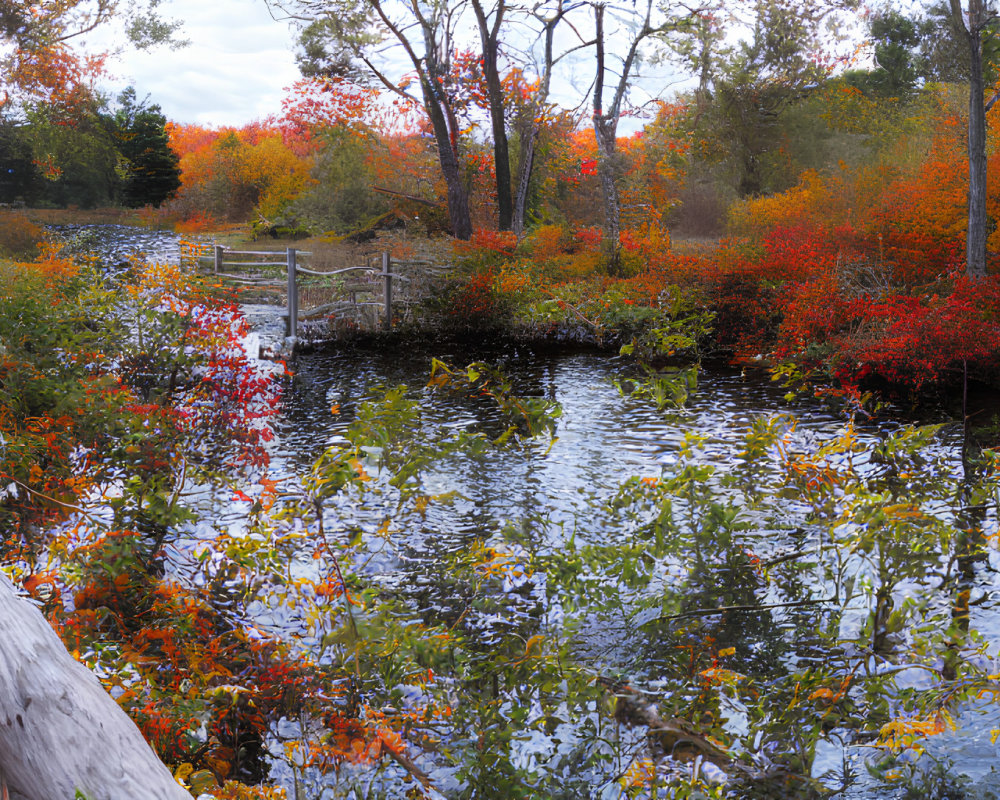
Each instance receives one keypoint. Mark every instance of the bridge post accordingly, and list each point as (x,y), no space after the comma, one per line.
(387,277)
(293,295)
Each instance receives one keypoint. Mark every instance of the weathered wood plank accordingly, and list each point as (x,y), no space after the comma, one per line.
(304,271)
(281,263)
(60,732)
(258,281)
(273,253)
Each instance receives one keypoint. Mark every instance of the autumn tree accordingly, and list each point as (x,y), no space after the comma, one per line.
(535,111)
(489,22)
(638,26)
(975,25)
(30,24)
(360,39)
(955,43)
(37,41)
(234,173)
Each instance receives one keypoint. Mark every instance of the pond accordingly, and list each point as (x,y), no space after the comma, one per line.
(563,496)
(112,245)
(550,492)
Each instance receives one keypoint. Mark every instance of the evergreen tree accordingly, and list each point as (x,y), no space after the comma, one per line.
(150,169)
(17,172)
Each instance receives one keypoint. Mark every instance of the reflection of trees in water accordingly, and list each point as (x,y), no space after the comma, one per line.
(764,566)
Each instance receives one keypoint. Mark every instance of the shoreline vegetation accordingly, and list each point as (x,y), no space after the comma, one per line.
(802,300)
(122,393)
(126,394)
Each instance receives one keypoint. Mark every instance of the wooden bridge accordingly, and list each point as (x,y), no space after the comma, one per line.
(370,295)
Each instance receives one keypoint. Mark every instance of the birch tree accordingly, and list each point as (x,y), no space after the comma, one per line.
(974,25)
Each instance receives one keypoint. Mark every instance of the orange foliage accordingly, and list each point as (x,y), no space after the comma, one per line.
(57,77)
(197,223)
(230,172)
(50,263)
(186,139)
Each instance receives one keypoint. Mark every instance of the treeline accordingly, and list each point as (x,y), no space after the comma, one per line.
(342,154)
(94,154)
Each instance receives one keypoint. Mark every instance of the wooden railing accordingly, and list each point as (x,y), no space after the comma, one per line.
(224,260)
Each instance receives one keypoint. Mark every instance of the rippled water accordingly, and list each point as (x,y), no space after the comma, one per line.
(603,438)
(113,244)
(550,493)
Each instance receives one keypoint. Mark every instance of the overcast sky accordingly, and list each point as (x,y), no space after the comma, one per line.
(234,70)
(240,61)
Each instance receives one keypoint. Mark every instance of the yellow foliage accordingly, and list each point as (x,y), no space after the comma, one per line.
(905,733)
(497,563)
(717,676)
(641,772)
(234,790)
(756,215)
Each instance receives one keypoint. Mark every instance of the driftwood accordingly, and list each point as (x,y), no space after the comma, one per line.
(61,734)
(666,737)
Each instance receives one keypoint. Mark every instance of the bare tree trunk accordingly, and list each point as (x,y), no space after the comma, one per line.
(530,139)
(976,236)
(458,198)
(60,732)
(970,27)
(524,179)
(605,133)
(490,39)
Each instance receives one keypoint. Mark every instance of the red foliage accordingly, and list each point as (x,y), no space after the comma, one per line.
(494,242)
(912,341)
(474,303)
(315,104)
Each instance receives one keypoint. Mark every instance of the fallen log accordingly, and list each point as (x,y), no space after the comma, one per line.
(675,738)
(61,734)
(411,197)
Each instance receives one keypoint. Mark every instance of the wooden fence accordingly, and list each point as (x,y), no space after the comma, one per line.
(311,293)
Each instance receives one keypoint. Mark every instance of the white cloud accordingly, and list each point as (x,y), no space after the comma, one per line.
(235,69)
(240,61)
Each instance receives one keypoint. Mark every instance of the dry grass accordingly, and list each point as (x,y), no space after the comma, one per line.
(83,216)
(18,235)
(693,245)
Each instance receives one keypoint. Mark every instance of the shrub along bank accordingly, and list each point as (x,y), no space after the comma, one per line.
(802,289)
(262,643)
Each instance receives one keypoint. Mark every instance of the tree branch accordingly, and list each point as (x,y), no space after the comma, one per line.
(707,612)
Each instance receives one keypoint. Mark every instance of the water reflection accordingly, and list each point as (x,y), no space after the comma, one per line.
(542,496)
(113,245)
(602,437)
